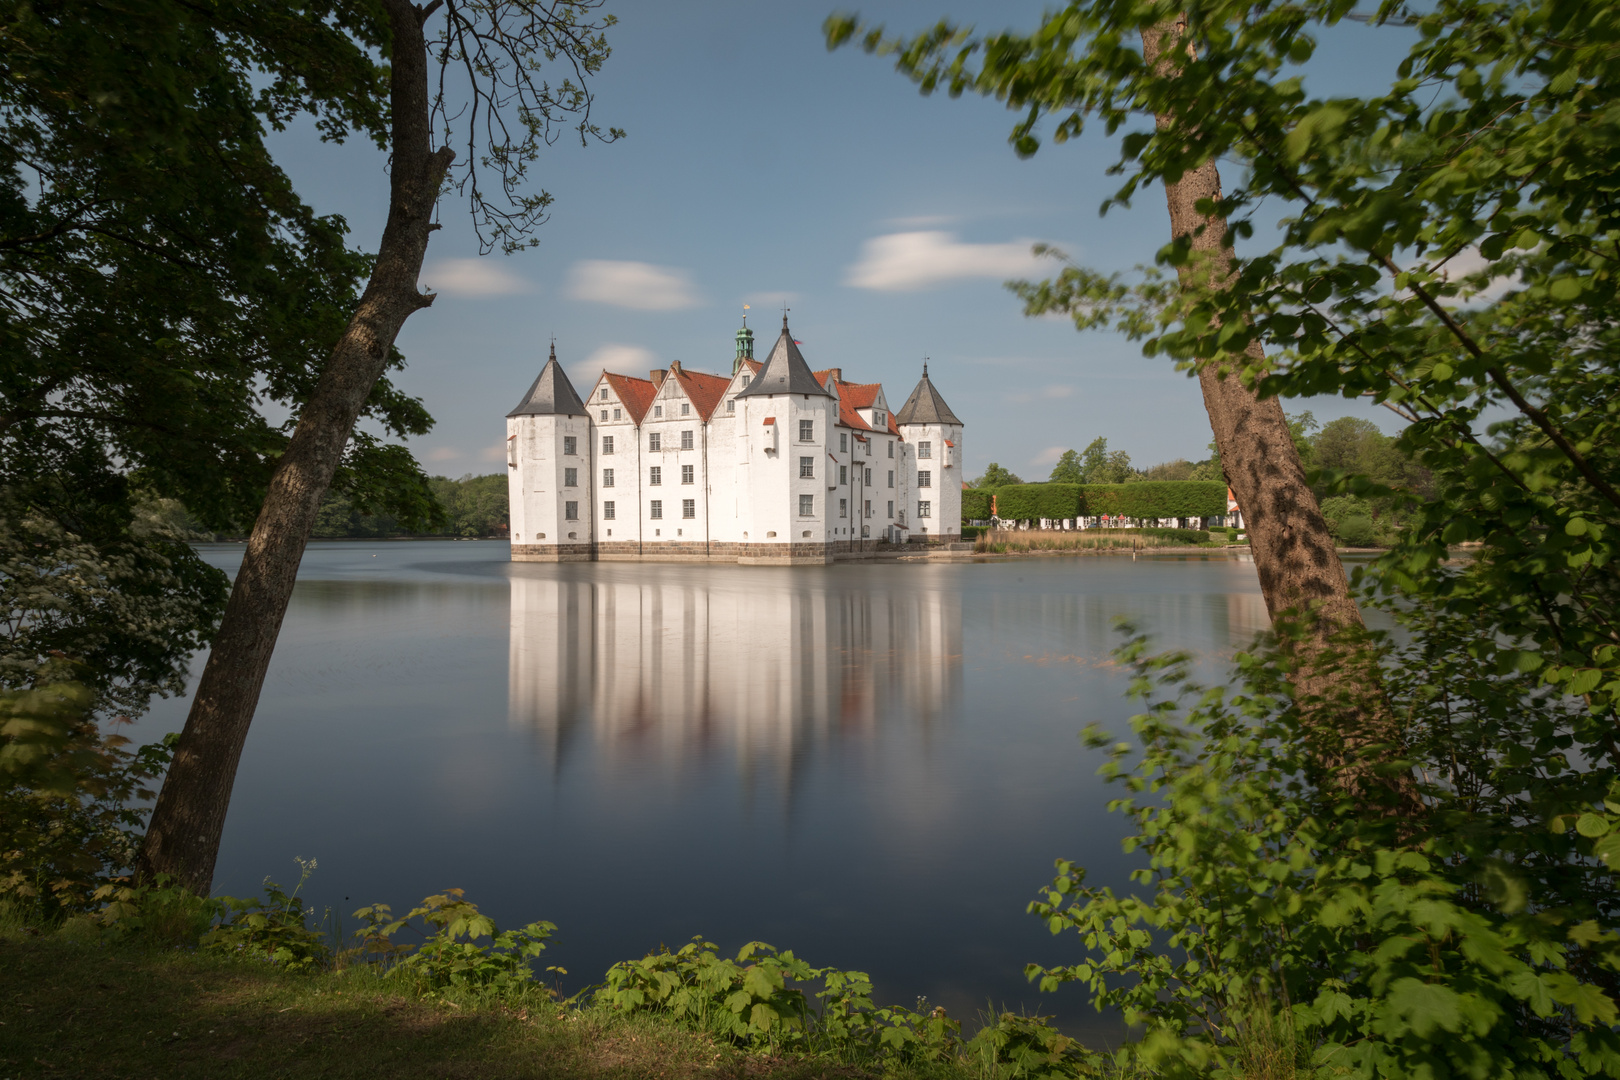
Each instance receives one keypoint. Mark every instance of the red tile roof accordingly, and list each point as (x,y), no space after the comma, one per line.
(637,394)
(861,395)
(847,414)
(706,391)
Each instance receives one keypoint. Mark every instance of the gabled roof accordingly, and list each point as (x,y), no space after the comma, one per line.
(847,414)
(925,406)
(705,391)
(551,395)
(637,394)
(860,395)
(785,371)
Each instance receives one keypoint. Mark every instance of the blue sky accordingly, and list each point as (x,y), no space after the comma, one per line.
(760,168)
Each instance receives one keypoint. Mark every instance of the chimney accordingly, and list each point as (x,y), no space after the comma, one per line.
(656,376)
(675,366)
(837,374)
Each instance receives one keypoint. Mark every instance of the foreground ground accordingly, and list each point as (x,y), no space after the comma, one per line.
(89,1009)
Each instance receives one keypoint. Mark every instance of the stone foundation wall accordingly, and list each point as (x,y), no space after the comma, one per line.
(787,554)
(553,552)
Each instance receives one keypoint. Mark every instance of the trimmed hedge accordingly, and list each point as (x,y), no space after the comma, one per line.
(1031,502)
(1143,499)
(1156,499)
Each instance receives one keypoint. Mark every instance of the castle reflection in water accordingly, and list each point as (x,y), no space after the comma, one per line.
(652,665)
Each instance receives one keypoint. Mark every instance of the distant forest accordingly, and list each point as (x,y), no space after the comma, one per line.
(475,506)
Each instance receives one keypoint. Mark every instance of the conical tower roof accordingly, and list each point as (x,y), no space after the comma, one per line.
(925,406)
(785,371)
(551,395)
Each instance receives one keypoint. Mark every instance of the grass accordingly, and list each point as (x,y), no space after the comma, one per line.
(1003,541)
(83,1008)
(74,1003)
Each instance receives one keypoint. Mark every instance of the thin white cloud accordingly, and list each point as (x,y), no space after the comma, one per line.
(619,359)
(923,221)
(473,277)
(444,453)
(1048,456)
(496,452)
(909,261)
(1058,392)
(638,285)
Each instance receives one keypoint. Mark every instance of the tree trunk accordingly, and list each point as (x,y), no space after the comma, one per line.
(1300,573)
(183,837)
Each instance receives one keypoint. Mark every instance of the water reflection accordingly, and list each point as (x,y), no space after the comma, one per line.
(676,670)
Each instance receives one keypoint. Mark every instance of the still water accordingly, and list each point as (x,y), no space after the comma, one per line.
(872,764)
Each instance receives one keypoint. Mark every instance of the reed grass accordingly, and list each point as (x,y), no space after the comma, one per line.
(1005,541)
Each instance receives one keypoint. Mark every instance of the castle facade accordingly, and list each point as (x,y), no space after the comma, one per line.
(774,464)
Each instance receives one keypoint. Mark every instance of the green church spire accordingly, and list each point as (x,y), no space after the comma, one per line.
(745,344)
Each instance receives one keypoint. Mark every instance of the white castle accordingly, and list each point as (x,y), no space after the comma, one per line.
(775,464)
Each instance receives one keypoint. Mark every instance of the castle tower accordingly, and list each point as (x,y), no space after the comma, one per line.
(784,428)
(549,466)
(934,434)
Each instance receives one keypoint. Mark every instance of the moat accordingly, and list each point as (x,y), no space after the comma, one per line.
(873,764)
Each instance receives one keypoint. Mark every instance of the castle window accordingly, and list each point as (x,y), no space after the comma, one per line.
(604,394)
(807,468)
(658,410)
(731,406)
(607,477)
(604,414)
(570,478)
(867,479)
(655,441)
(891,454)
(688,508)
(686,408)
(925,509)
(925,449)
(843,442)
(807,506)
(925,478)
(807,430)
(868,507)
(868,447)
(655,509)
(686,440)
(608,510)
(843,474)
(890,512)
(686,474)
(655,476)
(607,444)
(618,414)
(570,446)
(571,511)
(891,478)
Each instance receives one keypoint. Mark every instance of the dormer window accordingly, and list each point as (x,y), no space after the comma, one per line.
(731,406)
(658,410)
(604,394)
(686,408)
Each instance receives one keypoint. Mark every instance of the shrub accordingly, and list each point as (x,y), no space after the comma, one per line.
(449,955)
(1480,943)
(975,505)
(1357,531)
(66,785)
